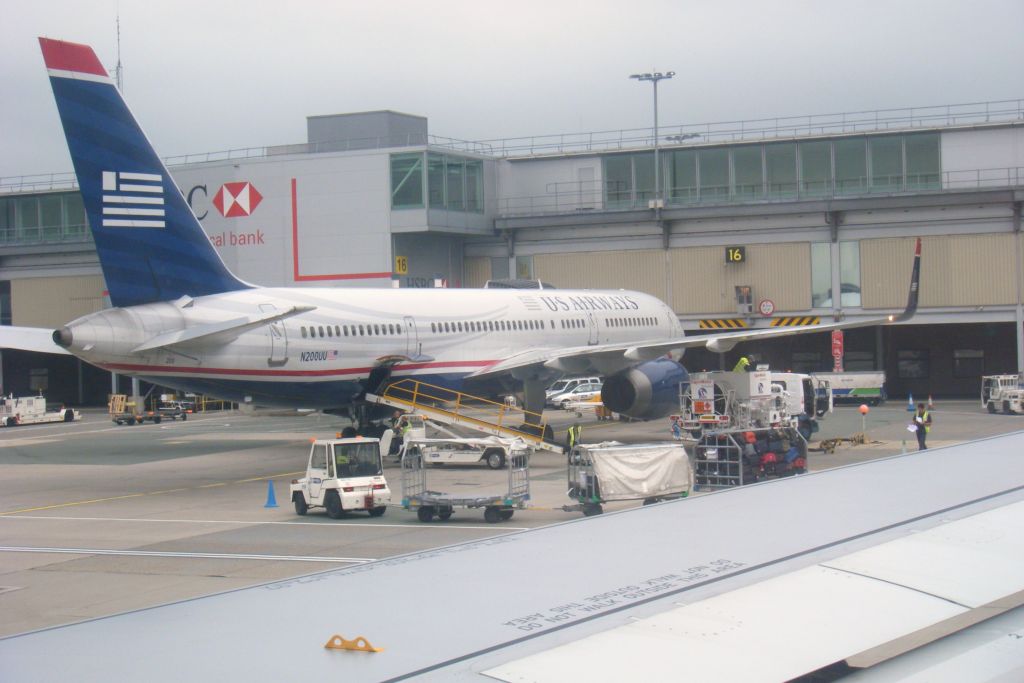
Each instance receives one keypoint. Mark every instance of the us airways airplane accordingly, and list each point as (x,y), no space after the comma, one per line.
(180,319)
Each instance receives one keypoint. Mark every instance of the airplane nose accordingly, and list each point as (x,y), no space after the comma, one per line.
(62,337)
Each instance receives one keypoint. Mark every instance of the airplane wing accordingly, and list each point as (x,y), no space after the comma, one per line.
(609,357)
(232,327)
(38,339)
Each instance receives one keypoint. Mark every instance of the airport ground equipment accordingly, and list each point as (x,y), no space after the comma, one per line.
(491,451)
(612,471)
(343,475)
(30,410)
(735,457)
(173,410)
(866,386)
(715,401)
(1003,393)
(456,408)
(125,412)
(498,507)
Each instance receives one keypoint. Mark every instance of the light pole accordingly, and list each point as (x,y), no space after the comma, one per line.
(654,77)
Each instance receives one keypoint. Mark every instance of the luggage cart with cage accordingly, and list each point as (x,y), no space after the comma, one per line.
(498,507)
(612,471)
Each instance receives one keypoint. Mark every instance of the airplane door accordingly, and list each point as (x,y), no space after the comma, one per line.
(412,339)
(594,334)
(278,338)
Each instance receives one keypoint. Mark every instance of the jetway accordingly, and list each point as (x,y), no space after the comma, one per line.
(465,410)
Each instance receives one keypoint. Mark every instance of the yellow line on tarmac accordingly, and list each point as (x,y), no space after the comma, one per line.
(148,493)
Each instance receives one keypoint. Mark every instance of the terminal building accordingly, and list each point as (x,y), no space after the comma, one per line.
(788,221)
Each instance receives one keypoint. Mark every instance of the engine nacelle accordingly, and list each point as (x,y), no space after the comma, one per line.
(647,391)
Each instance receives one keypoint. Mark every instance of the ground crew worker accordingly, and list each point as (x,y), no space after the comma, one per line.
(573,435)
(923,422)
(742,364)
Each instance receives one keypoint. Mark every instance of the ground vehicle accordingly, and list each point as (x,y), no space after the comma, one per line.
(32,410)
(491,451)
(613,471)
(758,399)
(123,412)
(866,386)
(343,475)
(1003,393)
(578,394)
(734,457)
(173,410)
(567,384)
(498,506)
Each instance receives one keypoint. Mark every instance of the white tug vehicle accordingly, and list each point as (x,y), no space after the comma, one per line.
(30,410)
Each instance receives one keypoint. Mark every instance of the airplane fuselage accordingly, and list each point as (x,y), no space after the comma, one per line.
(325,357)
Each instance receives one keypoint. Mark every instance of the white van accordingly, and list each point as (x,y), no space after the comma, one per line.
(567,384)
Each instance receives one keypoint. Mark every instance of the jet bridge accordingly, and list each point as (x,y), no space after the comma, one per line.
(472,412)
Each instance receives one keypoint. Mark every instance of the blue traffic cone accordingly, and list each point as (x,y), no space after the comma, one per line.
(910,403)
(271,498)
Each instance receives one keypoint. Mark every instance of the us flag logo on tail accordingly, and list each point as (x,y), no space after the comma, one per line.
(133,200)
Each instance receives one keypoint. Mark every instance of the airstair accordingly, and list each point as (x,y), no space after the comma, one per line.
(456,408)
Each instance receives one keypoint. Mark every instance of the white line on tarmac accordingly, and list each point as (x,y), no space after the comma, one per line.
(325,525)
(199,556)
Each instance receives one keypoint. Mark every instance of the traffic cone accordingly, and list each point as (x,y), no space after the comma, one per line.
(271,498)
(931,406)
(910,403)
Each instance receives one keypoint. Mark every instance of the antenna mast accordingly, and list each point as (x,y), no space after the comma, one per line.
(118,70)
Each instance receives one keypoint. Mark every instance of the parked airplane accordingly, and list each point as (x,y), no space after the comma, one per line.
(180,319)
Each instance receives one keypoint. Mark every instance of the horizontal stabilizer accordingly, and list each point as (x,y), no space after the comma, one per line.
(234,327)
(38,339)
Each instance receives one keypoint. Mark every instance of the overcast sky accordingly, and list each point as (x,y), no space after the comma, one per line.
(205,75)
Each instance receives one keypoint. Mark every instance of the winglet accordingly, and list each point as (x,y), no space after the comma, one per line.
(915,288)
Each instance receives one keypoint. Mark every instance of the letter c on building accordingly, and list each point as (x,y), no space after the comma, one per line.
(192,206)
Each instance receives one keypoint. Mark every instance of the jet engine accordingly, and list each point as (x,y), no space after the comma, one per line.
(647,391)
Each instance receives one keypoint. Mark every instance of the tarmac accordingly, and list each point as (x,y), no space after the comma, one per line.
(98,519)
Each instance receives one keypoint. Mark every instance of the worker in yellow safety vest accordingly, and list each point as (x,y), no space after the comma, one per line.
(923,424)
(742,364)
(573,436)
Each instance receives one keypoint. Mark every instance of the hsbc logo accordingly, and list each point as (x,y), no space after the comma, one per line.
(235,200)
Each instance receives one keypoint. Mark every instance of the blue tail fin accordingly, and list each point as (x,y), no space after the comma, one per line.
(150,244)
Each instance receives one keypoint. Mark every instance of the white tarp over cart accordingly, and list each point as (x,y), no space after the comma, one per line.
(627,472)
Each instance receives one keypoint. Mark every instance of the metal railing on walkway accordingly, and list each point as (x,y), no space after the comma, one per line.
(458,408)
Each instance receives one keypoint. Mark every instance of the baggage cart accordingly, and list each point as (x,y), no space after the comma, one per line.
(498,507)
(611,471)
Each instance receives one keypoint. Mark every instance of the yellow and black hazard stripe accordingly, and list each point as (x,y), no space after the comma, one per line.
(723,324)
(798,321)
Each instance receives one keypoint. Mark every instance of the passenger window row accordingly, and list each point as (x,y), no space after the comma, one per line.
(391,329)
(630,322)
(488,326)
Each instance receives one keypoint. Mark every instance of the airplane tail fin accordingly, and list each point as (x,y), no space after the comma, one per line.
(151,246)
(915,286)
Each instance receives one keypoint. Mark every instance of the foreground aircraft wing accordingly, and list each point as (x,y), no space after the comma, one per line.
(606,356)
(37,339)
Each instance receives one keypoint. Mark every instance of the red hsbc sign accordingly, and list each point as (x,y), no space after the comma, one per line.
(837,350)
(234,200)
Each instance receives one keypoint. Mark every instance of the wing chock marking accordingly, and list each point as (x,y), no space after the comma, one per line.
(359,643)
